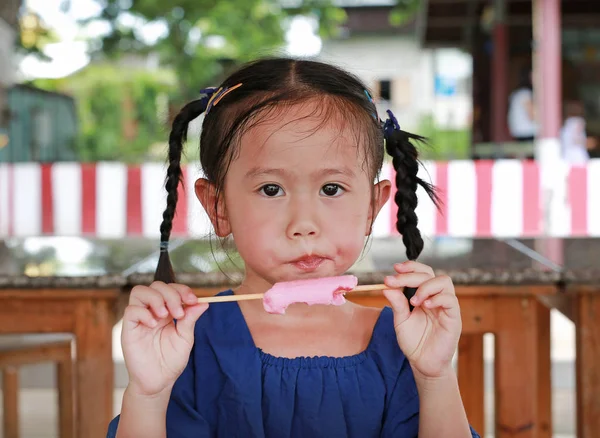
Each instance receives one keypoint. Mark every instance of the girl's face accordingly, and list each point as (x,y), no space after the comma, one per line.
(298,198)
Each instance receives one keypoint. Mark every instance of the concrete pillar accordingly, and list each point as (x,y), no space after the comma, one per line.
(548,103)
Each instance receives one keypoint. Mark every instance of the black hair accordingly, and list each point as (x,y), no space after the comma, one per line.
(267,85)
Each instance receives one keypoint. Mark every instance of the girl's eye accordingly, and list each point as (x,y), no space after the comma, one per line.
(271,190)
(331,190)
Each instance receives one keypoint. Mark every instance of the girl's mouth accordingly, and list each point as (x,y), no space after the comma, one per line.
(308,263)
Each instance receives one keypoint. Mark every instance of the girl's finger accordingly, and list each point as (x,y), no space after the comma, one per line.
(412,266)
(136,315)
(186,325)
(171,297)
(411,279)
(437,285)
(147,297)
(399,304)
(446,302)
(186,293)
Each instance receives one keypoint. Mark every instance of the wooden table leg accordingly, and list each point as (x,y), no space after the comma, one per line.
(587,360)
(517,364)
(94,368)
(471,378)
(10,392)
(66,399)
(544,372)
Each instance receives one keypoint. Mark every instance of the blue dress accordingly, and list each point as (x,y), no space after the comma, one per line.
(232,389)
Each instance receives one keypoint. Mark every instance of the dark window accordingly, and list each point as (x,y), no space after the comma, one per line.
(385,90)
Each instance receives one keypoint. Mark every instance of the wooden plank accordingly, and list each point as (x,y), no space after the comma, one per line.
(491,290)
(587,335)
(516,366)
(33,322)
(58,352)
(37,316)
(471,379)
(62,294)
(94,367)
(478,314)
(10,396)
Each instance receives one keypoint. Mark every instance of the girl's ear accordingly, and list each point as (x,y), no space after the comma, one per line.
(206,192)
(381,194)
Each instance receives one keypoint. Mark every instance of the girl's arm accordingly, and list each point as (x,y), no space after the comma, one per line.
(428,336)
(143,416)
(441,411)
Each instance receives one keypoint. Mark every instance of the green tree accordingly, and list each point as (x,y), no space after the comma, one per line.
(203,39)
(122,112)
(405,11)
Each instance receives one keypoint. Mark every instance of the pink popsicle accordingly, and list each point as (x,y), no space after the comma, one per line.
(328,290)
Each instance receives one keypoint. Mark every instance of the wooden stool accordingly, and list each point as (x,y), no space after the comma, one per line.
(16,351)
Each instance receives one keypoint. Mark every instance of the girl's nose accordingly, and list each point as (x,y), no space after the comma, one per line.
(303,222)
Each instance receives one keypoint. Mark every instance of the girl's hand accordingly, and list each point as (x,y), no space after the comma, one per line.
(156,350)
(428,335)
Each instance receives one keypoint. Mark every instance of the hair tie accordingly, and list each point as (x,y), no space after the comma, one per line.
(217,95)
(208,91)
(391,124)
(164,246)
(375,115)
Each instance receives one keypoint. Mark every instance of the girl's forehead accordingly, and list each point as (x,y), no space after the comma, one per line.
(304,127)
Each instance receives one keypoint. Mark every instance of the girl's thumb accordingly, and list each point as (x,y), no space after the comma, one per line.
(186,325)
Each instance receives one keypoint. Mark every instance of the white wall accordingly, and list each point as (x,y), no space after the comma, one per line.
(398,59)
(412,70)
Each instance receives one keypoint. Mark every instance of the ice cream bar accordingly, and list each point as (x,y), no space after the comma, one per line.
(328,290)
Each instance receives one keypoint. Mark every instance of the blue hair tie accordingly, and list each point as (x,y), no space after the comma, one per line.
(375,116)
(164,246)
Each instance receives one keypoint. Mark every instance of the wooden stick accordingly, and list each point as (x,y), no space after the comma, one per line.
(244,297)
(222,298)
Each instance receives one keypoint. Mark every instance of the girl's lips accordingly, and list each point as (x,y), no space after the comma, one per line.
(308,264)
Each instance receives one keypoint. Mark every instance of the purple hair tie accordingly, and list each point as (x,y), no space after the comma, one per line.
(391,124)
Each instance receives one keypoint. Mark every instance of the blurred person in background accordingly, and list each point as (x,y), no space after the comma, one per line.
(521,115)
(575,144)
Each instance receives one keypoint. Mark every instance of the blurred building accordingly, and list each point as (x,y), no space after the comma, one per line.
(7,44)
(35,125)
(501,36)
(42,126)
(411,81)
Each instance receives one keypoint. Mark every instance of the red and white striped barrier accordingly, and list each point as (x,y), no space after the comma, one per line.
(112,200)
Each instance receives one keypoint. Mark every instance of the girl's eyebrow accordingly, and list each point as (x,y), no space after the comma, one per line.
(330,171)
(262,171)
(333,171)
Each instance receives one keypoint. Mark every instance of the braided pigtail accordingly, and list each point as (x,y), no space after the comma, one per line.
(404,155)
(177,137)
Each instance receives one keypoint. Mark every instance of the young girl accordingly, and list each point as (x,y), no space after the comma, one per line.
(290,151)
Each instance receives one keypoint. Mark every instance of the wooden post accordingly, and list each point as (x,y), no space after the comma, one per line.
(587,332)
(10,392)
(94,365)
(517,367)
(471,379)
(66,397)
(544,373)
